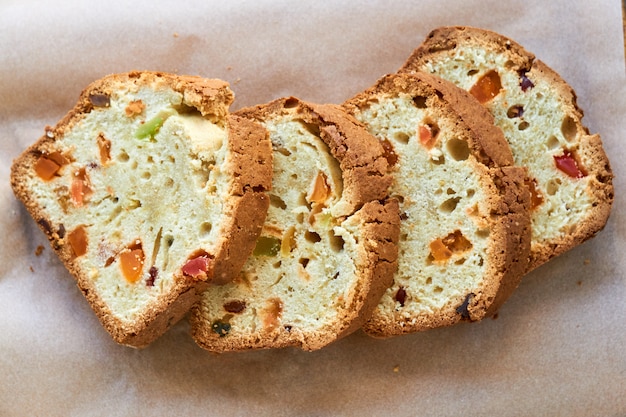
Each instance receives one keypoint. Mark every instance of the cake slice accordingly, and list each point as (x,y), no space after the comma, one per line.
(569,173)
(328,248)
(148,190)
(465,226)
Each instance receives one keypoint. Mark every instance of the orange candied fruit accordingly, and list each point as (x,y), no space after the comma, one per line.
(104,146)
(48,165)
(272,314)
(439,251)
(442,249)
(131,263)
(78,241)
(80,188)
(321,190)
(487,87)
(427,135)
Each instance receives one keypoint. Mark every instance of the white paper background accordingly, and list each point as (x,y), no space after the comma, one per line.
(557,346)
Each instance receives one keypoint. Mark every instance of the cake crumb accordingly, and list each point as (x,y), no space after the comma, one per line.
(396,369)
(579,283)
(31,268)
(587,261)
(39,250)
(176,34)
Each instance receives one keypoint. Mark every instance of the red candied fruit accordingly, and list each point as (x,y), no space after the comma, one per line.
(197,266)
(568,164)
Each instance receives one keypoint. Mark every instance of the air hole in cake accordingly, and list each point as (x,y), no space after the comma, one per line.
(569,129)
(429,281)
(169,182)
(458,149)
(123,156)
(470,193)
(449,205)
(302,201)
(515,111)
(300,218)
(459,261)
(438,290)
(404,237)
(553,143)
(304,262)
(281,150)
(290,103)
(336,242)
(509,64)
(523,125)
(312,237)
(312,128)
(150,159)
(472,72)
(146,175)
(401,137)
(277,202)
(171,159)
(277,265)
(205,228)
(450,191)
(482,233)
(420,102)
(553,186)
(169,240)
(294,176)
(288,241)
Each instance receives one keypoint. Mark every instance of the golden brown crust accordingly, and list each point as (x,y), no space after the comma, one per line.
(443,41)
(249,146)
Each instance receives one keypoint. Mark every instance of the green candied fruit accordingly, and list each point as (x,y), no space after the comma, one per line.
(267,246)
(149,128)
(220,328)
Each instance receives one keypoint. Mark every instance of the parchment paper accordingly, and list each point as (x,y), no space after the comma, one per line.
(556,347)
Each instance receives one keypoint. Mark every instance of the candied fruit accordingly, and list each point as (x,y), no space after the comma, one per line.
(149,128)
(320,190)
(568,164)
(48,165)
(131,263)
(487,87)
(427,135)
(78,241)
(80,188)
(442,249)
(267,246)
(272,313)
(104,146)
(197,266)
